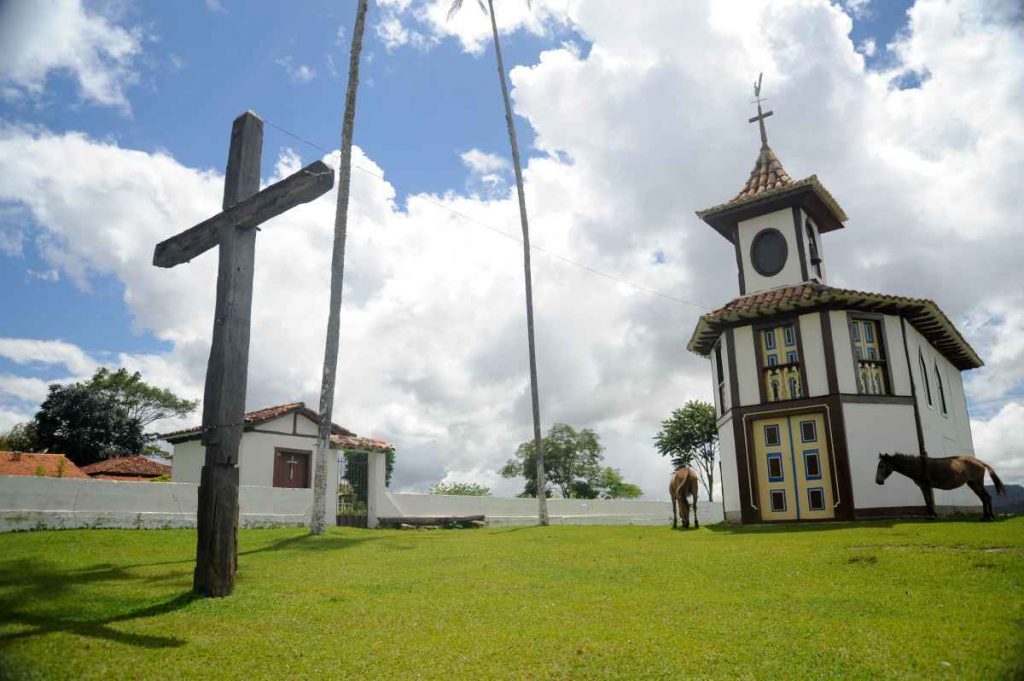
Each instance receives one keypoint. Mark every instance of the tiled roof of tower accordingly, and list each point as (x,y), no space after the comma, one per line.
(922,313)
(767,175)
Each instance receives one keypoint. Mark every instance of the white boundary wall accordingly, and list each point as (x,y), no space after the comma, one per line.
(516,511)
(31,503)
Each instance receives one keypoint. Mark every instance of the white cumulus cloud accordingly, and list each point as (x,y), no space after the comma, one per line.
(40,37)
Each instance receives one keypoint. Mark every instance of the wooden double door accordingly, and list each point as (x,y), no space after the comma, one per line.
(291,468)
(794,473)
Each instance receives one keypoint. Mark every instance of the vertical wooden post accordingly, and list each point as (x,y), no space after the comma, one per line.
(226,374)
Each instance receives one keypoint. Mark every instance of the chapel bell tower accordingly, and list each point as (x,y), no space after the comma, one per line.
(774,223)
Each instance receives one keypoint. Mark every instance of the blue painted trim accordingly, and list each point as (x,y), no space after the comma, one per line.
(775,455)
(810,506)
(792,457)
(809,453)
(815,425)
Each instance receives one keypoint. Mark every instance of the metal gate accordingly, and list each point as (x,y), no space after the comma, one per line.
(352,490)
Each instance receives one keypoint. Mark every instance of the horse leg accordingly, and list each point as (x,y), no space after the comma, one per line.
(929,498)
(986,499)
(684,511)
(696,523)
(674,511)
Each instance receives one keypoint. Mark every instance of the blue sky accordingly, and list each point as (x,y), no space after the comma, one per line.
(417,111)
(629,123)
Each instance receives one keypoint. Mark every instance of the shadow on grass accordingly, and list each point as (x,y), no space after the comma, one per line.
(26,583)
(726,528)
(307,542)
(39,596)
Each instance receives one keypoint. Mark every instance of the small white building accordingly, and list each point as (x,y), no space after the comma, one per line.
(811,381)
(276,450)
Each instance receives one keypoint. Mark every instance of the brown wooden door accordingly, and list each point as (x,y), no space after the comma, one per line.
(291,468)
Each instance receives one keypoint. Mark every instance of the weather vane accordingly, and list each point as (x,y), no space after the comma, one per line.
(760,116)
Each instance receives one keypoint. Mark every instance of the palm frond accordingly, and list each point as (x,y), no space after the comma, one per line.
(457,5)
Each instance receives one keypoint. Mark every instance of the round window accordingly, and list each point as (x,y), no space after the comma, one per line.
(768,252)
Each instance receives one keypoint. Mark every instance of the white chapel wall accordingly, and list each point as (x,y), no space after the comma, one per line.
(747,372)
(729,474)
(845,373)
(897,359)
(813,351)
(944,434)
(187,464)
(781,220)
(875,428)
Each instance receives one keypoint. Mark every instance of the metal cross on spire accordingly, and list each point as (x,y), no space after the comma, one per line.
(760,116)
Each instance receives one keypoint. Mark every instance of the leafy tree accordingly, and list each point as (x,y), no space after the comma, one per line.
(540,457)
(143,403)
(465,489)
(614,487)
(573,464)
(690,437)
(20,438)
(104,416)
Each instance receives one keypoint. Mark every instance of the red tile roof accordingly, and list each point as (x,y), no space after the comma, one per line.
(769,187)
(340,437)
(356,442)
(768,174)
(128,466)
(924,314)
(254,418)
(23,463)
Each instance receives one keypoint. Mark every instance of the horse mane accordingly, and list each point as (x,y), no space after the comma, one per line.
(905,457)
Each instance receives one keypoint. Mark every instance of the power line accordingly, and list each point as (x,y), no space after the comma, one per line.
(513,237)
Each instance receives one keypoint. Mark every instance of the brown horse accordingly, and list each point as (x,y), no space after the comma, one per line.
(946,473)
(682,485)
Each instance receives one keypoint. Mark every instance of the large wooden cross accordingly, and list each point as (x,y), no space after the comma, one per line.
(234,231)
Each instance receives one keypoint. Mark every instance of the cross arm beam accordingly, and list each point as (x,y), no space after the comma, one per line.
(303,186)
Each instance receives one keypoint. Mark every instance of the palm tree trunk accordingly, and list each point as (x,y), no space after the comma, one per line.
(317,522)
(542,503)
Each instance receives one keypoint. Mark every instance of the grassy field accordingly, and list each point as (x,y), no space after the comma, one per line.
(878,600)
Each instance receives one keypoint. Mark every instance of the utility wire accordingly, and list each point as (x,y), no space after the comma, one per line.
(468,218)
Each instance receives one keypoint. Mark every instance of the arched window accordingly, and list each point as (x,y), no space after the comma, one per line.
(812,248)
(942,390)
(924,377)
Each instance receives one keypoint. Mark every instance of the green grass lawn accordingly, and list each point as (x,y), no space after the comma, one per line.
(868,600)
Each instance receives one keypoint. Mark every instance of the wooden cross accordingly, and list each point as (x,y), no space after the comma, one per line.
(234,231)
(291,467)
(760,116)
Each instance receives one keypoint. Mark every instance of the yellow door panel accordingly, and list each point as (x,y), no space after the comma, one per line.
(793,468)
(773,454)
(814,475)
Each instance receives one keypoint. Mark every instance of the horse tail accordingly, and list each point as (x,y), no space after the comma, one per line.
(1000,487)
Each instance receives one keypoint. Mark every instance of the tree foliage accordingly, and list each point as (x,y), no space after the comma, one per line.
(141,402)
(464,489)
(572,460)
(690,437)
(20,438)
(103,417)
